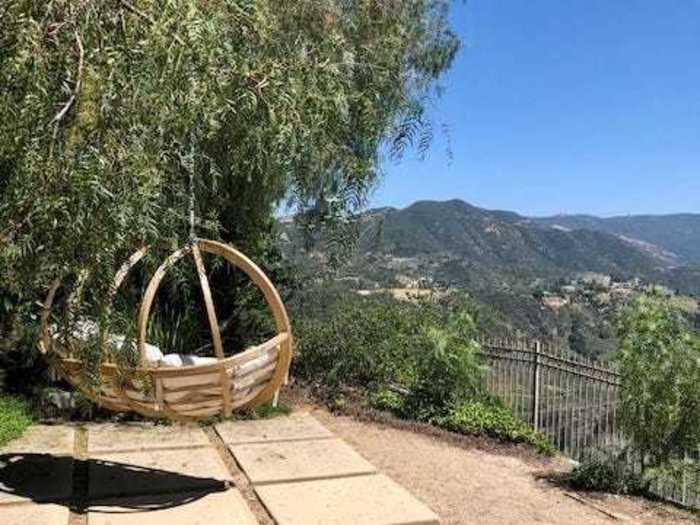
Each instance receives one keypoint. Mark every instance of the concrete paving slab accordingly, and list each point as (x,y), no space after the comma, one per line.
(299,460)
(33,514)
(144,436)
(49,439)
(155,472)
(219,508)
(360,500)
(296,426)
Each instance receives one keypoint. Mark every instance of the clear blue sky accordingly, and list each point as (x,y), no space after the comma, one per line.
(577,106)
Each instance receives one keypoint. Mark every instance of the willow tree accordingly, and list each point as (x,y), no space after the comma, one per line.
(114,112)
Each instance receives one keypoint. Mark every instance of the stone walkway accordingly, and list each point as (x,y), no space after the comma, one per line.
(179,475)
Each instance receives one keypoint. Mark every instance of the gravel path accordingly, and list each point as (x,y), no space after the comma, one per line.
(469,485)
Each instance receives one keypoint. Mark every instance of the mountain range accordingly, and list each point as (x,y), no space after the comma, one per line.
(509,263)
(473,247)
(678,234)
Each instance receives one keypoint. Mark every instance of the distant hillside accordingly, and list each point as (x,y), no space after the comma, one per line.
(503,244)
(678,234)
(516,267)
(685,278)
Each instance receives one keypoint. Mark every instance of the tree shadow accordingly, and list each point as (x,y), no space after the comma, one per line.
(114,487)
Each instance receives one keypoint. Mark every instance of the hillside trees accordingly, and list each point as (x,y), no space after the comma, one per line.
(112,111)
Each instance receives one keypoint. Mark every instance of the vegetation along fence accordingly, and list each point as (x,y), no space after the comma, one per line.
(573,401)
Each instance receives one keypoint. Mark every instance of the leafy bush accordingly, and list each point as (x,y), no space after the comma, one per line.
(448,371)
(606,475)
(425,349)
(15,417)
(492,419)
(389,400)
(660,365)
(417,360)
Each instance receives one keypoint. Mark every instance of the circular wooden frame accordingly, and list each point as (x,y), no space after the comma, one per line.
(189,392)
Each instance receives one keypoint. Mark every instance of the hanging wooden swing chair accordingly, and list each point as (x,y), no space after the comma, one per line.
(210,386)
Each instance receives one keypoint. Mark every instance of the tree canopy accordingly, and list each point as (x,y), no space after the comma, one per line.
(660,364)
(112,111)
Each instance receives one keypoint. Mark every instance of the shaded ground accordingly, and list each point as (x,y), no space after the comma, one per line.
(471,480)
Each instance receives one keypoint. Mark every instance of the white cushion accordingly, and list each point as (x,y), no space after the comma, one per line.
(83,330)
(87,328)
(153,353)
(177,360)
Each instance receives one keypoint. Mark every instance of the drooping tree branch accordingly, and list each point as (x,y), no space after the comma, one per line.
(56,120)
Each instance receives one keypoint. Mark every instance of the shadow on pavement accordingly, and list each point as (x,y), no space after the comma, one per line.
(116,487)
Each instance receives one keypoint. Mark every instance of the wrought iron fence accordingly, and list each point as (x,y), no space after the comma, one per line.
(573,401)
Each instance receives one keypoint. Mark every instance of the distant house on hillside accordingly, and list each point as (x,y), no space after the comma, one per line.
(622,292)
(658,289)
(597,280)
(568,289)
(554,302)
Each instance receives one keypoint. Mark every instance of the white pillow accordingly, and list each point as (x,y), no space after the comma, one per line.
(87,328)
(177,360)
(83,330)
(153,353)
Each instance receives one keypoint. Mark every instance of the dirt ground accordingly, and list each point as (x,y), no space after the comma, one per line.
(482,482)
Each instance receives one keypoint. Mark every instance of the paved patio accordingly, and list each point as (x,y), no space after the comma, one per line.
(109,474)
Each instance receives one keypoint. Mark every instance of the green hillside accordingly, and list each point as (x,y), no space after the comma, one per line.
(508,262)
(678,234)
(502,244)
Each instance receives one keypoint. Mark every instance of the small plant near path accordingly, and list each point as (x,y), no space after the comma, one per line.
(15,418)
(493,420)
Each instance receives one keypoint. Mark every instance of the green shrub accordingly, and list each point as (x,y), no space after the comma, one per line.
(492,419)
(606,475)
(426,349)
(448,371)
(15,417)
(359,342)
(417,360)
(385,399)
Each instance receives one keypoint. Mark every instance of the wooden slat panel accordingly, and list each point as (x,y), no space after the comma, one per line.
(264,374)
(176,383)
(194,397)
(195,414)
(246,396)
(256,351)
(190,370)
(193,406)
(257,363)
(194,388)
